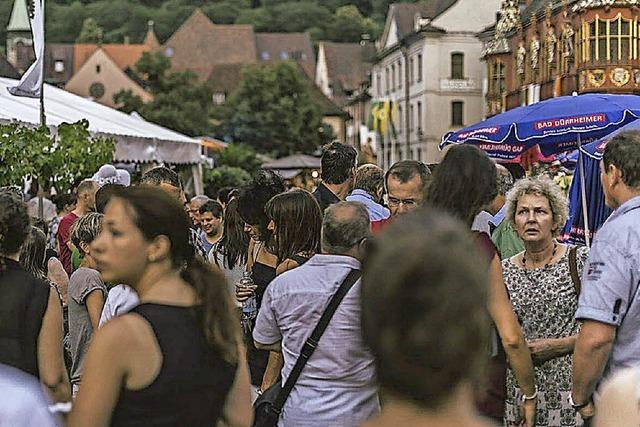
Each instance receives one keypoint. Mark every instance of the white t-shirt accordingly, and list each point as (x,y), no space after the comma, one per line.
(23,403)
(618,403)
(120,300)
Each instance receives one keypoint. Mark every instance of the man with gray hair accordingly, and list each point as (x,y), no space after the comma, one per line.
(368,190)
(504,236)
(337,387)
(193,209)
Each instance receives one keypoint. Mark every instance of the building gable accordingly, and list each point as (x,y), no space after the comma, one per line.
(124,55)
(466,16)
(199,44)
(392,38)
(348,66)
(19,17)
(322,72)
(100,78)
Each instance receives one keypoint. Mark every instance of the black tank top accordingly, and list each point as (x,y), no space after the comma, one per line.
(193,382)
(23,302)
(262,275)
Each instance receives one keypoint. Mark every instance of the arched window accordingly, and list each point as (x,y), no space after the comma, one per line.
(457,66)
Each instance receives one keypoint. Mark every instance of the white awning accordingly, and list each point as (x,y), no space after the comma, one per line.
(138,141)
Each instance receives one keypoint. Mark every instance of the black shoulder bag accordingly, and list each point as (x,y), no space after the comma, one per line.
(268,406)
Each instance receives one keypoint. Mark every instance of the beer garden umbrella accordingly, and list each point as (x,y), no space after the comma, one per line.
(556,125)
(576,230)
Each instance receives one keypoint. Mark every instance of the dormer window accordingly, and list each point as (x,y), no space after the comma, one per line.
(419,22)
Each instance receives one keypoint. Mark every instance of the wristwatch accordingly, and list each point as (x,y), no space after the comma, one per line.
(578,406)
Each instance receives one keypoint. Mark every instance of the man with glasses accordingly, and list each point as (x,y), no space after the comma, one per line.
(405,181)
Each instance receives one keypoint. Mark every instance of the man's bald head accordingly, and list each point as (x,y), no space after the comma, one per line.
(344,227)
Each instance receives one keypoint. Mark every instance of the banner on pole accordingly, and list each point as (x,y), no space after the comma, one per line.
(31,82)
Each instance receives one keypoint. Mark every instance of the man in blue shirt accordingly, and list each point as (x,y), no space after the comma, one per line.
(368,190)
(610,336)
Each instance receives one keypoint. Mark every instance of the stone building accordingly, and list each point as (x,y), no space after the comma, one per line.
(428,64)
(539,49)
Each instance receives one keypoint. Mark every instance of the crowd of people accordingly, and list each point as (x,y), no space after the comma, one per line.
(401,298)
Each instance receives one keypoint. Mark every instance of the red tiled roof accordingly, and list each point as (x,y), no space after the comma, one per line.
(285,46)
(124,55)
(348,66)
(406,12)
(199,44)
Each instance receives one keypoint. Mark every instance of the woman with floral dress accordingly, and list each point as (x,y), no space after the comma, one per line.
(543,284)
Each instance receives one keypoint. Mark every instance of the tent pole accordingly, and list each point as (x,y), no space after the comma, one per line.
(583,191)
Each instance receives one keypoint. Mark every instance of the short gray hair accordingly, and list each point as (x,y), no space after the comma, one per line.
(200,200)
(540,186)
(505,180)
(369,178)
(344,226)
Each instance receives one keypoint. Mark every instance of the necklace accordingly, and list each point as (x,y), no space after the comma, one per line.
(553,255)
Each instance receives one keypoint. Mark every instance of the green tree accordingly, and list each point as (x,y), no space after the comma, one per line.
(222,13)
(274,112)
(223,176)
(90,32)
(240,156)
(261,18)
(348,25)
(180,102)
(63,159)
(298,16)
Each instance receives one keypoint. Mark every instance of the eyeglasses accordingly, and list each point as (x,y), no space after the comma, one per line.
(397,202)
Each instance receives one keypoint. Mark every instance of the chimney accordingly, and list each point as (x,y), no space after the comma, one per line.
(127,40)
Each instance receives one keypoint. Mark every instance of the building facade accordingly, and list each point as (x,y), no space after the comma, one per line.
(343,74)
(19,39)
(539,49)
(428,65)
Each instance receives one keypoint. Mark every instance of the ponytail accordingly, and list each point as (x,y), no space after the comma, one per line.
(218,315)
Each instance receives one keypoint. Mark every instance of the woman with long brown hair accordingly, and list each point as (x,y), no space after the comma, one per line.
(295,222)
(464,183)
(177,358)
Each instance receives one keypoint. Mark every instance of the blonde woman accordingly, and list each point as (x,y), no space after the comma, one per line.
(543,284)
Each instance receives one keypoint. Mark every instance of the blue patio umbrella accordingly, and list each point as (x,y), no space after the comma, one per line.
(569,159)
(597,212)
(556,125)
(575,230)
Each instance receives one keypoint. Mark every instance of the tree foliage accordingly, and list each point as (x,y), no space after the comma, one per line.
(224,176)
(90,32)
(128,18)
(180,102)
(62,159)
(239,156)
(274,111)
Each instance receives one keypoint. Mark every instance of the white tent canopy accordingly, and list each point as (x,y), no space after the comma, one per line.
(138,141)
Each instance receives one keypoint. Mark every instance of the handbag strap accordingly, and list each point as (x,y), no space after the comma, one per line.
(312,342)
(573,269)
